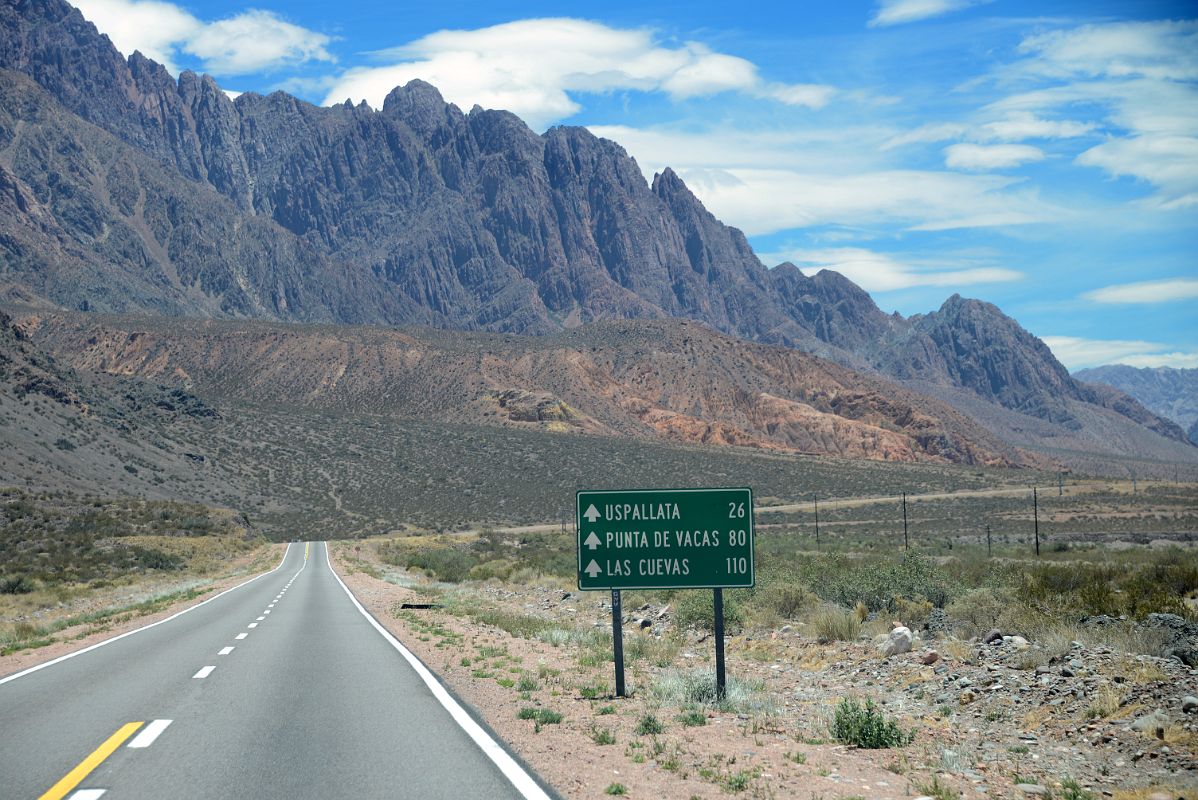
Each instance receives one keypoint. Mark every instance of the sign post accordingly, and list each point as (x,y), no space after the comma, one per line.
(665,539)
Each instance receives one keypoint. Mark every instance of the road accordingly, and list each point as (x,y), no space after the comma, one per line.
(279,688)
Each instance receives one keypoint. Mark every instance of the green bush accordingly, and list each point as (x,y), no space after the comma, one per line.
(17,584)
(866,727)
(649,725)
(696,609)
(877,584)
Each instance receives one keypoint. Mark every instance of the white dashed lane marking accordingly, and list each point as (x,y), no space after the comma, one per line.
(87,794)
(152,731)
(205,672)
(241,636)
(252,625)
(224,651)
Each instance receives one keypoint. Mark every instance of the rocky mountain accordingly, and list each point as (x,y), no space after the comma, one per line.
(88,431)
(1170,392)
(668,379)
(127,190)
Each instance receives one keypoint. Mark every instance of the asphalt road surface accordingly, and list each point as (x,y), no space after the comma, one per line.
(279,688)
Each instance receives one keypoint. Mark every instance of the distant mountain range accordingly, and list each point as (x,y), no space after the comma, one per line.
(1170,392)
(124,190)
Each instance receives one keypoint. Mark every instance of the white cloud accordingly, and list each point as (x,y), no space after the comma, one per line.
(1169,162)
(1024,125)
(248,42)
(254,41)
(928,133)
(898,12)
(986,157)
(152,27)
(531,66)
(1162,291)
(767,181)
(878,272)
(1078,353)
(1143,75)
(1161,50)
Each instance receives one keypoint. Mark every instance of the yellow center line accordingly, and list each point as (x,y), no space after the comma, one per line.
(76,776)
(306,546)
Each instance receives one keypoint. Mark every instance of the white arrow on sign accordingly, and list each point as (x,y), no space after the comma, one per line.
(591,541)
(591,513)
(592,569)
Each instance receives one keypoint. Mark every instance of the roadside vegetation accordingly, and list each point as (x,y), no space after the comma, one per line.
(81,564)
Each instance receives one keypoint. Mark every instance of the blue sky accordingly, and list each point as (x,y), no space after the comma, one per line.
(1039,155)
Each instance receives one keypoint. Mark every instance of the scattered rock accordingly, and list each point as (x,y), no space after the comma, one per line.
(899,641)
(1034,789)
(930,657)
(1154,724)
(992,637)
(1189,704)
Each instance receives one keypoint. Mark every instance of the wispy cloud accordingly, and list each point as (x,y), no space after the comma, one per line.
(987,157)
(532,66)
(1078,353)
(1143,74)
(252,41)
(764,182)
(898,12)
(1162,291)
(879,272)
(1020,126)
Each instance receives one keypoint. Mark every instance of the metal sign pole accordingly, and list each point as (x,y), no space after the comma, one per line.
(617,639)
(906,543)
(1036,518)
(718,609)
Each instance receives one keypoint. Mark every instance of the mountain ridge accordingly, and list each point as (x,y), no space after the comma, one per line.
(267,207)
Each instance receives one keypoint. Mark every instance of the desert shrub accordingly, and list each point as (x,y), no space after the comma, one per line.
(866,727)
(447,564)
(913,613)
(876,584)
(500,569)
(694,689)
(786,599)
(833,624)
(980,610)
(17,584)
(649,725)
(150,558)
(696,609)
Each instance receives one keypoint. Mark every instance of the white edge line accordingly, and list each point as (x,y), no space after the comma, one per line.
(149,733)
(118,637)
(511,770)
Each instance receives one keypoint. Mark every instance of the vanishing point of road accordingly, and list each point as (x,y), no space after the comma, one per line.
(283,687)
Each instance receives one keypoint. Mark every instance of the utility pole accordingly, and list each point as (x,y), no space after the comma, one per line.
(815,497)
(1036,518)
(1060,484)
(988,540)
(906,543)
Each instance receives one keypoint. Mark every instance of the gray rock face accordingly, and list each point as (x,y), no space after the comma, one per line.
(1171,393)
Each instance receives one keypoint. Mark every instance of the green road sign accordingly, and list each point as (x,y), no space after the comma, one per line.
(665,539)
